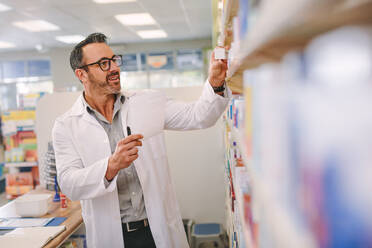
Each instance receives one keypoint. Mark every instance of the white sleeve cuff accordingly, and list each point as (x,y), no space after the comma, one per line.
(109,185)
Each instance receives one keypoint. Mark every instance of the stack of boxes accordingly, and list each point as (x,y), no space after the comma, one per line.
(20,138)
(20,146)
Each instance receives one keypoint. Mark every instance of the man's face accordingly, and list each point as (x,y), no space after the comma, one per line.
(105,82)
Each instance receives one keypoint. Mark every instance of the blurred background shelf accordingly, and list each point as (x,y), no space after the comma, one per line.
(231,9)
(21,164)
(274,33)
(283,225)
(239,200)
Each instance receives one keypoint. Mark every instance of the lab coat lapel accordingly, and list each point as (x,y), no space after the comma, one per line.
(78,109)
(89,118)
(125,109)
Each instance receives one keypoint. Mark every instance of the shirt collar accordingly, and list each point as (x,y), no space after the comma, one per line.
(120,98)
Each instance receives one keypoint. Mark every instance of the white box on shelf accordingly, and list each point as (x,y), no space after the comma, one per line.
(32,205)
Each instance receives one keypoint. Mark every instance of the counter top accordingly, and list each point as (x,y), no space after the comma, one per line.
(72,213)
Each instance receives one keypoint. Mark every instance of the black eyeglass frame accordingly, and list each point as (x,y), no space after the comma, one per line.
(109,61)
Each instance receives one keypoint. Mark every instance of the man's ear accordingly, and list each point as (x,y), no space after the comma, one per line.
(81,75)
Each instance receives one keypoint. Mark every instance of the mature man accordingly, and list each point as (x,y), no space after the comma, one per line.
(123,180)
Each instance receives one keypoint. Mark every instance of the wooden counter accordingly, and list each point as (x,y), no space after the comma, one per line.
(72,213)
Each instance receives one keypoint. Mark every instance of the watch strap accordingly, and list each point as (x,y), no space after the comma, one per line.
(219,88)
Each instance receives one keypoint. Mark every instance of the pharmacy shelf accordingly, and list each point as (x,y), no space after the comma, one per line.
(240,203)
(274,34)
(20,164)
(238,193)
(230,10)
(229,215)
(286,231)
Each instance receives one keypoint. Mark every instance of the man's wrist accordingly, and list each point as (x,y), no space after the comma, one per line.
(219,89)
(111,170)
(215,83)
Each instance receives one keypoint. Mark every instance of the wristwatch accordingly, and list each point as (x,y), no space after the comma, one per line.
(219,88)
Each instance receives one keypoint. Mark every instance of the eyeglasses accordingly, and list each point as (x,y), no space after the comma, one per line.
(105,63)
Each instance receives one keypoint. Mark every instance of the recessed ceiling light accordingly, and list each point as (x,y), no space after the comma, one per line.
(36,26)
(4,7)
(70,39)
(152,34)
(138,19)
(4,44)
(113,1)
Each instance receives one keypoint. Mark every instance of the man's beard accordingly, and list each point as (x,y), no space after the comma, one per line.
(104,86)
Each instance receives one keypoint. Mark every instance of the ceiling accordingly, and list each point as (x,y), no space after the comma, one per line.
(180,19)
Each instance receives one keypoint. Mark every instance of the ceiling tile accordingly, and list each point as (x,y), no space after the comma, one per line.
(180,19)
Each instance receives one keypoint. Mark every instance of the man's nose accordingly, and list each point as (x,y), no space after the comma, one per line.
(114,66)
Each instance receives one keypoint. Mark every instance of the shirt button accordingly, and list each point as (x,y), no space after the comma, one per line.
(133,193)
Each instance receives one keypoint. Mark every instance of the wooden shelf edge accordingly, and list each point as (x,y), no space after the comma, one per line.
(232,8)
(322,18)
(20,164)
(235,86)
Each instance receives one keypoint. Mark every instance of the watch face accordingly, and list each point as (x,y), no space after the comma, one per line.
(219,88)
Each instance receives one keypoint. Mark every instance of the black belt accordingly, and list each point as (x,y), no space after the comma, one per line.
(134,225)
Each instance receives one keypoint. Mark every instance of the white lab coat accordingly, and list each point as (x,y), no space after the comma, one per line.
(82,150)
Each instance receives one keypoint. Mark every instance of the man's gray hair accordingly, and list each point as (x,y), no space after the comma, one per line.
(76,56)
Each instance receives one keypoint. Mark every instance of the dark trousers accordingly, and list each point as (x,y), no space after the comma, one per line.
(141,238)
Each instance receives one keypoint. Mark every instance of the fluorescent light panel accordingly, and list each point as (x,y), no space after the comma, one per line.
(152,34)
(113,1)
(4,44)
(4,7)
(139,19)
(70,39)
(36,26)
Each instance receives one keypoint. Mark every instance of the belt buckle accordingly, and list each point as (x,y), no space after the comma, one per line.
(128,228)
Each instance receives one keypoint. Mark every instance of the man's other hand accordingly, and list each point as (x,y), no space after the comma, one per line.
(125,153)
